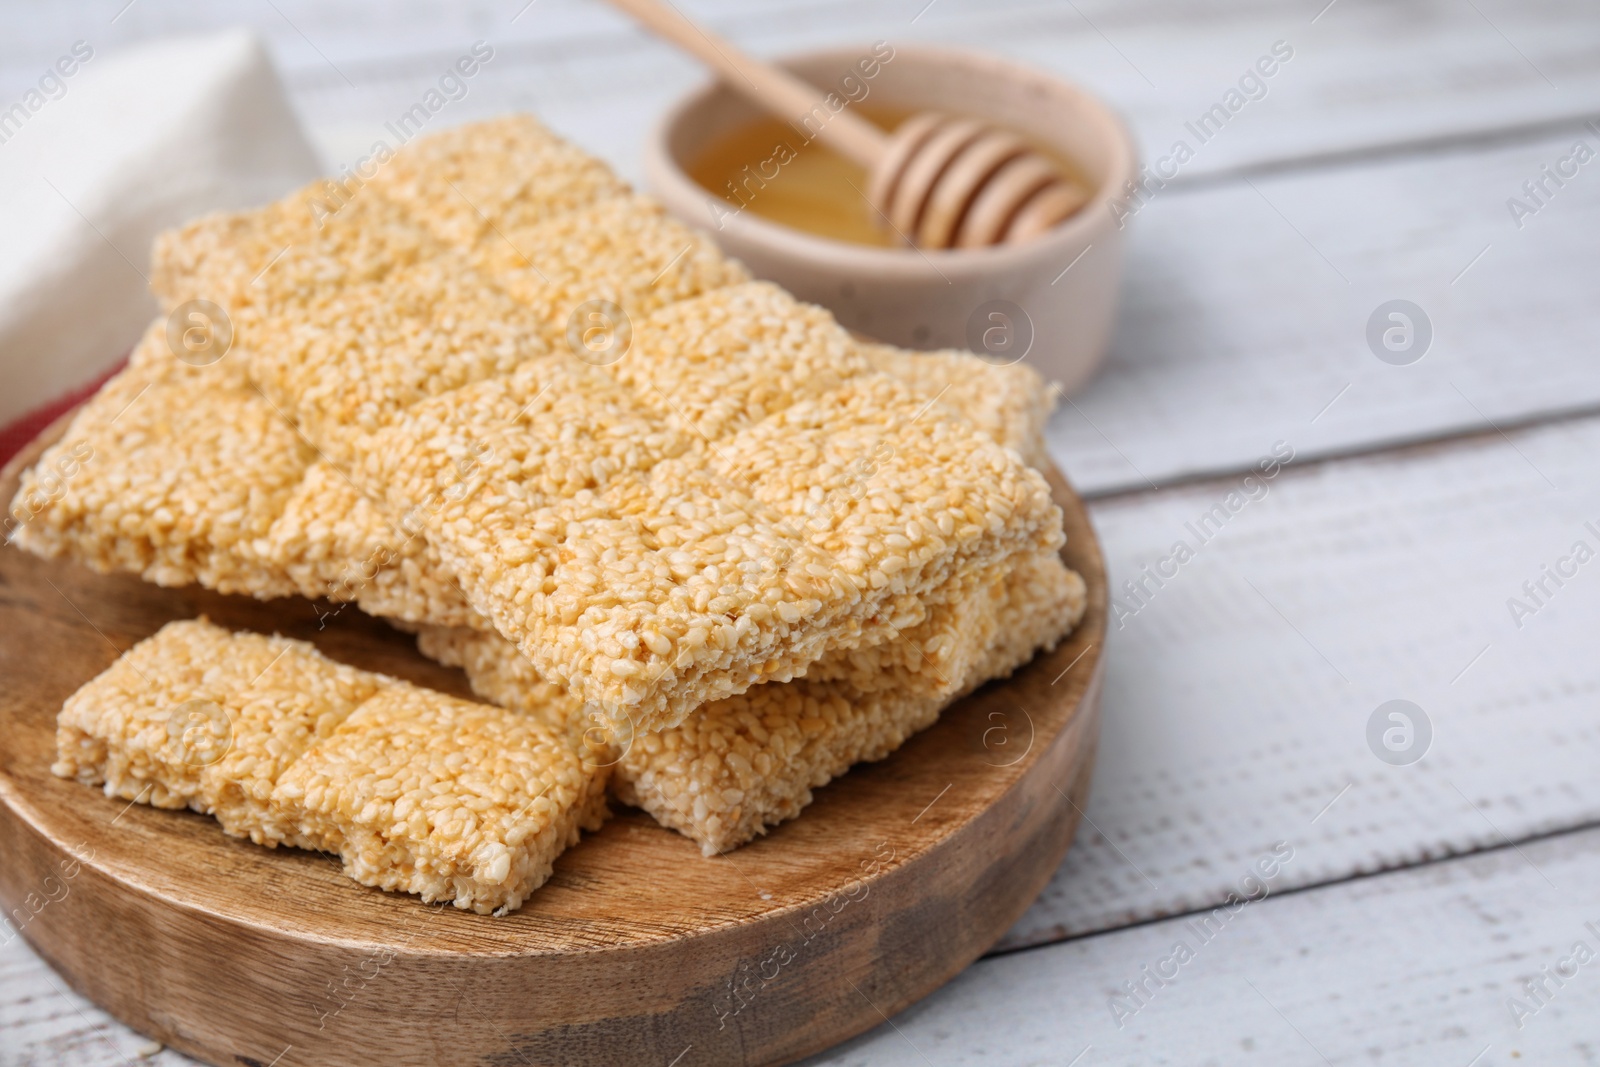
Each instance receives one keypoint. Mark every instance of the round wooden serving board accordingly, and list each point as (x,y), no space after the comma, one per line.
(637,951)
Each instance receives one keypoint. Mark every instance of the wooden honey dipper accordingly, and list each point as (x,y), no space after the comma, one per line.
(937,180)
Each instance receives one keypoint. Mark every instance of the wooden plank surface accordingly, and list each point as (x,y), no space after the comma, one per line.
(1238,692)
(45,1024)
(1247,304)
(1414,967)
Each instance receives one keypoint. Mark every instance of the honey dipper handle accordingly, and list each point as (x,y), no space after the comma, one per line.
(769,87)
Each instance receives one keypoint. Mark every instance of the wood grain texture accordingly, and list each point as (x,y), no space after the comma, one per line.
(1414,968)
(1246,308)
(897,876)
(1238,692)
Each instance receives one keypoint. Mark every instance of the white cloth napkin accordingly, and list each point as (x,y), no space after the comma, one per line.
(93,164)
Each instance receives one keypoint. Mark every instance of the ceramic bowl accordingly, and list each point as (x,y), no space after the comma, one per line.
(1051,300)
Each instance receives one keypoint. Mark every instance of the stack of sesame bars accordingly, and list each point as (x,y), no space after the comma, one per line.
(704,564)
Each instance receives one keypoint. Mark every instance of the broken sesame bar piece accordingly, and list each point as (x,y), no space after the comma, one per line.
(415,791)
(199,717)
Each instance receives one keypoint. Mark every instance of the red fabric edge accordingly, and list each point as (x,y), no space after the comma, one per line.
(15,435)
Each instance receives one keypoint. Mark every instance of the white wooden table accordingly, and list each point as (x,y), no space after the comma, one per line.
(1417,902)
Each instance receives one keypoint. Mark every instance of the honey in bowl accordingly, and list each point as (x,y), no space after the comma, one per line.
(770,169)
